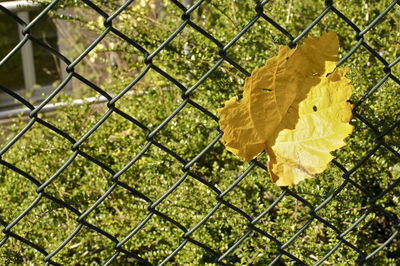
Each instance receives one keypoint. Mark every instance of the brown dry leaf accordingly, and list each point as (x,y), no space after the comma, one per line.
(274,114)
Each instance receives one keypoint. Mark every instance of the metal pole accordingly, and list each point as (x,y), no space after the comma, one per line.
(28,64)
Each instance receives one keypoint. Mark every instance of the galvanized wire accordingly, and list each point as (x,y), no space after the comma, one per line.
(186,92)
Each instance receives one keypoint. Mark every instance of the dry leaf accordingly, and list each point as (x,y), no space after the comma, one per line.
(323,123)
(294,108)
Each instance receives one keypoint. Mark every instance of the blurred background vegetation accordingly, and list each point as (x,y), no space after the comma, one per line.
(114,63)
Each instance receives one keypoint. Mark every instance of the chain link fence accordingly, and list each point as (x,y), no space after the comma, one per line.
(222,203)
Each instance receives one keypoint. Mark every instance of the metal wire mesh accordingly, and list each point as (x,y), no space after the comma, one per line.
(186,100)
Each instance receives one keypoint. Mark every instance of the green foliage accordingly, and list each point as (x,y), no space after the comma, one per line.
(41,152)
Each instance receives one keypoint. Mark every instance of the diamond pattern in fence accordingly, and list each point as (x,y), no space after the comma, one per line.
(148,214)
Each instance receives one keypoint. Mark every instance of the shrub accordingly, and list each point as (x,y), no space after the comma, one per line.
(40,152)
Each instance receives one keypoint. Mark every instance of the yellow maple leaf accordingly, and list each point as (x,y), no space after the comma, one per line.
(295,107)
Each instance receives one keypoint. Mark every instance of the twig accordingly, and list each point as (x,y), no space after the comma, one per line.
(289,12)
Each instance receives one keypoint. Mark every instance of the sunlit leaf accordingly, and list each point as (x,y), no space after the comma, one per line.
(295,107)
